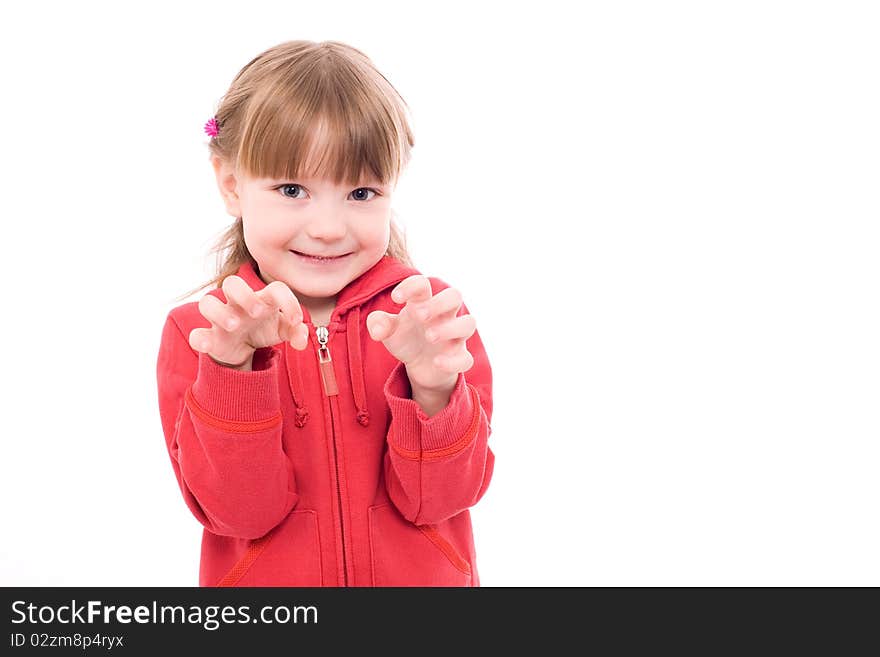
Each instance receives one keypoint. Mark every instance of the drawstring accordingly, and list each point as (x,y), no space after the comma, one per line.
(302,413)
(355,365)
(355,370)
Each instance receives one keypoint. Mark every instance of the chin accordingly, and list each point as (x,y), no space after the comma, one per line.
(319,294)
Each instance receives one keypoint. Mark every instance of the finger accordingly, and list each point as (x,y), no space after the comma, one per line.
(445,302)
(277,295)
(413,289)
(292,328)
(297,336)
(458,327)
(300,339)
(218,313)
(381,325)
(242,296)
(462,361)
(271,298)
(200,340)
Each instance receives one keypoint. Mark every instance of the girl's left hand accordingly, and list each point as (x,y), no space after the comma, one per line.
(426,336)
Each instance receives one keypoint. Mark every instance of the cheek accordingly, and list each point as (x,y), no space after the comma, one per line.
(375,234)
(376,242)
(266,232)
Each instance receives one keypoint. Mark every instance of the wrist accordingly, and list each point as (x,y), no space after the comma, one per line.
(437,385)
(432,399)
(244,366)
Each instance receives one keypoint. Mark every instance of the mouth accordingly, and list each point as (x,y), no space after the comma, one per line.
(320,258)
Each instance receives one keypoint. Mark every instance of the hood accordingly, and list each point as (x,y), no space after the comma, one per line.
(386,273)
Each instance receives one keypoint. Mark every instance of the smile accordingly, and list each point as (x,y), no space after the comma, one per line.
(320,258)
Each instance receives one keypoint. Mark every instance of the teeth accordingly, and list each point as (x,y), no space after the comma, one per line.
(317,257)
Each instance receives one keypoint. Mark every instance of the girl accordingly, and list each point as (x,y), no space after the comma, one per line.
(326,407)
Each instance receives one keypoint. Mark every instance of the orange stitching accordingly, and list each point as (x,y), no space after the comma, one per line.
(442,452)
(226,425)
(318,540)
(242,565)
(411,454)
(446,548)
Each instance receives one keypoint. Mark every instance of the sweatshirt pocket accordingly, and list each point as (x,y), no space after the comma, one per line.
(404,554)
(289,555)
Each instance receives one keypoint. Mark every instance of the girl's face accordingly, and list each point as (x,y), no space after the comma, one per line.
(310,234)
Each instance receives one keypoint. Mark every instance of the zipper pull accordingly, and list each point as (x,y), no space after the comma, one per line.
(325,363)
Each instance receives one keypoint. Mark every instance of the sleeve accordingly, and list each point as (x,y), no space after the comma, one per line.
(436,467)
(223,433)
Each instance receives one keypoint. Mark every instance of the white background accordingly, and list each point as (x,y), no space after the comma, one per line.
(663,216)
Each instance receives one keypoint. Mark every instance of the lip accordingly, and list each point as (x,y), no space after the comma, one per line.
(320,258)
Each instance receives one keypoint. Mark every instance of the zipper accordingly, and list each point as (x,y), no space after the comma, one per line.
(325,362)
(328,378)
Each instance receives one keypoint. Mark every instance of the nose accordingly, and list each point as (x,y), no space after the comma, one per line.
(328,226)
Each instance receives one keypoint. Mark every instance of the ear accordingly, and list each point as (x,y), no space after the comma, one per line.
(228,185)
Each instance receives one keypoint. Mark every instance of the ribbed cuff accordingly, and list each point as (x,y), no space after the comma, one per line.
(412,429)
(236,396)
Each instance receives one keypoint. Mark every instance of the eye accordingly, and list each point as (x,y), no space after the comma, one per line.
(358,194)
(288,186)
(364,189)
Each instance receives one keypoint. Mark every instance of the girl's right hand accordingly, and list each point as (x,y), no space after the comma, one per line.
(248,321)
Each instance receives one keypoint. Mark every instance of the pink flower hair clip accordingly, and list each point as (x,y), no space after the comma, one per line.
(211,127)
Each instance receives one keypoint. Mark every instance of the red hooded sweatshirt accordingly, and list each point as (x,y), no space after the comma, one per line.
(306,473)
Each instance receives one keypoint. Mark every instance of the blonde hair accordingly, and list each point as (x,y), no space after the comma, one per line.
(274,111)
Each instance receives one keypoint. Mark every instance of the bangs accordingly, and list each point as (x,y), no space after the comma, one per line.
(324,124)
